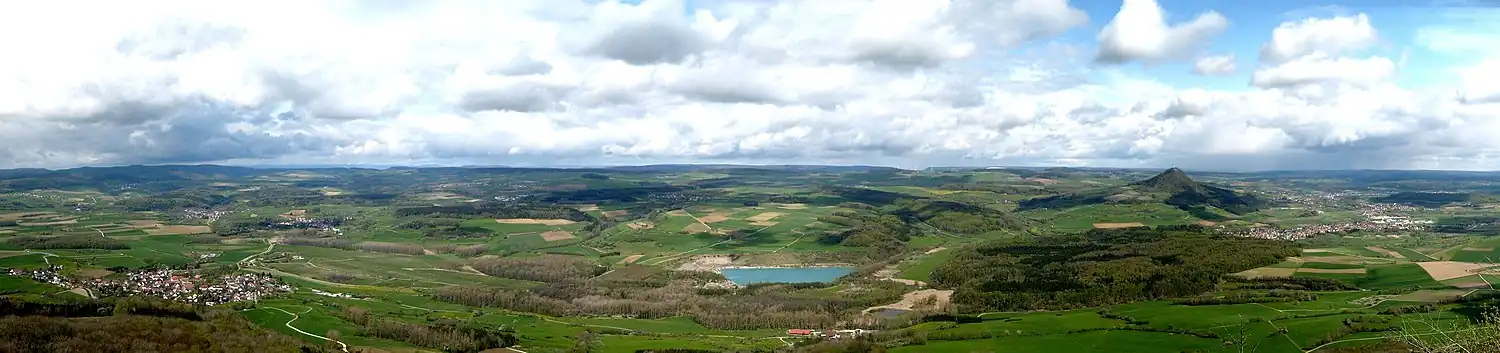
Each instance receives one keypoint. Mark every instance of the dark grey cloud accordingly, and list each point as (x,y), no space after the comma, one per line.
(649,43)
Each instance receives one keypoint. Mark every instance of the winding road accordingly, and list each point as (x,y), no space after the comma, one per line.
(269,245)
(295,316)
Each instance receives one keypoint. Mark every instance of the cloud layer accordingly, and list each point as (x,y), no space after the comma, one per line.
(532,82)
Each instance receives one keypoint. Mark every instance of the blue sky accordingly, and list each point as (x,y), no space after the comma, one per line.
(888,82)
(1251,23)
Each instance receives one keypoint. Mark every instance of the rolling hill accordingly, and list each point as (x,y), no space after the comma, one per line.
(1172,187)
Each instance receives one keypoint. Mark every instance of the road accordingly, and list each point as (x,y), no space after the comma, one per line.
(695,218)
(269,245)
(45,255)
(295,316)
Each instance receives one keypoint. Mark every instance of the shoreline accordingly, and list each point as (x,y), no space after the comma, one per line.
(720,269)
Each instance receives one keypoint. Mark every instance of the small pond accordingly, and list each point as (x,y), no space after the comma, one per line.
(748,276)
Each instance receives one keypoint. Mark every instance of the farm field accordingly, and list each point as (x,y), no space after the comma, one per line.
(551,259)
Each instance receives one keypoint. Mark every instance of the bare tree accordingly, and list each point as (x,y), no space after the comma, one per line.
(1428,335)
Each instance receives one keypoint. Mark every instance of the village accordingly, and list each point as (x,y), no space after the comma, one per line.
(1379,217)
(166,284)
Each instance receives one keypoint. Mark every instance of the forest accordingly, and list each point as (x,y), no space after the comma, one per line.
(66,242)
(446,334)
(1100,267)
(133,325)
(652,294)
(494,210)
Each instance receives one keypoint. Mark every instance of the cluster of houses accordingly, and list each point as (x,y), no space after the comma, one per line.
(678,197)
(1373,223)
(47,275)
(192,214)
(195,289)
(166,284)
(829,334)
(299,222)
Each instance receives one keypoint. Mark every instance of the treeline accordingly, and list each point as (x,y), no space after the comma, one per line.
(956,217)
(335,243)
(625,194)
(306,193)
(175,200)
(471,250)
(441,227)
(1100,267)
(390,248)
(882,235)
(67,242)
(448,335)
(494,210)
(1247,297)
(545,268)
(1468,224)
(1287,283)
(132,325)
(868,196)
(1432,199)
(371,246)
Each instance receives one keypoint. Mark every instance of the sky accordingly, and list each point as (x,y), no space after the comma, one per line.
(1199,84)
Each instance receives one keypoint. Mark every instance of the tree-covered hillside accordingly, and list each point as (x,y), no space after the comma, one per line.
(1100,267)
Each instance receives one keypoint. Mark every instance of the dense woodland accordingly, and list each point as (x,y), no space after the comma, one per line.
(1172,187)
(132,325)
(1433,199)
(446,334)
(66,242)
(653,293)
(1100,267)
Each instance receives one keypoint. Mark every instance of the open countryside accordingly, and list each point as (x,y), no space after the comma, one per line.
(766,259)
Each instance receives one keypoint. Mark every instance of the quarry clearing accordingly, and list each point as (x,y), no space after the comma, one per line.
(1445,270)
(550,222)
(926,299)
(557,235)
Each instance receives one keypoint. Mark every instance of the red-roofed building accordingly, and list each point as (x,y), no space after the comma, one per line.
(799,332)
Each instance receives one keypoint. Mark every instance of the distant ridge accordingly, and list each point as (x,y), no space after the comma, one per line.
(1172,186)
(1172,180)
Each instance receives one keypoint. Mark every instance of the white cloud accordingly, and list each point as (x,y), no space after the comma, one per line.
(1140,32)
(1315,51)
(1332,36)
(1214,65)
(577,82)
(1480,84)
(1318,68)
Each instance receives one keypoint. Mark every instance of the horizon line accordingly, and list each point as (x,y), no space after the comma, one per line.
(379,166)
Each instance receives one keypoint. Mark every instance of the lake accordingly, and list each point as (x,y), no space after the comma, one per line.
(747,276)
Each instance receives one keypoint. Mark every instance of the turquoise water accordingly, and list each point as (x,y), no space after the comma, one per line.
(747,276)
